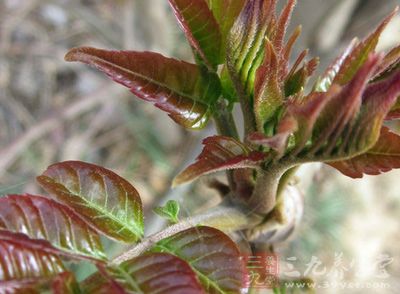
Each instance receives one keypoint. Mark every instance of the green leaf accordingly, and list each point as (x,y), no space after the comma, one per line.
(170,211)
(104,199)
(150,273)
(228,88)
(220,153)
(201,29)
(42,218)
(183,90)
(212,255)
(25,265)
(383,157)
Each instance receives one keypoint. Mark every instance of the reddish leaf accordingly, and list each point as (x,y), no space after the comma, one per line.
(105,200)
(220,153)
(65,283)
(177,87)
(395,111)
(25,268)
(389,63)
(212,255)
(148,273)
(360,53)
(200,27)
(42,218)
(383,157)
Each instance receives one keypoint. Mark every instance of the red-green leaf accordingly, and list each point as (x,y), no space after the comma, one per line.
(360,53)
(104,199)
(225,12)
(201,29)
(43,218)
(179,88)
(212,255)
(25,268)
(149,273)
(220,153)
(381,158)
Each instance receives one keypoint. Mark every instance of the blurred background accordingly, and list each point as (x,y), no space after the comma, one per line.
(53,111)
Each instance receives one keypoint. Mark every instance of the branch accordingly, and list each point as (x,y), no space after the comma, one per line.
(223,217)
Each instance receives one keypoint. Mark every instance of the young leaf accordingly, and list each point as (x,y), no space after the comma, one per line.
(25,267)
(212,255)
(245,48)
(360,53)
(269,95)
(383,157)
(325,81)
(170,211)
(181,89)
(104,199)
(150,273)
(225,12)
(220,153)
(42,218)
(201,29)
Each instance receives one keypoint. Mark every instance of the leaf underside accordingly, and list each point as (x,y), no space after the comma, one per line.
(181,89)
(46,219)
(212,255)
(105,200)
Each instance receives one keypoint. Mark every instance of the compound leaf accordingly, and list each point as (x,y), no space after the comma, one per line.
(104,199)
(46,219)
(149,273)
(220,153)
(212,255)
(181,89)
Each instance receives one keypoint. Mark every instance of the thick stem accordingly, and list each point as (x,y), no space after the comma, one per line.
(226,126)
(265,192)
(223,217)
(224,121)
